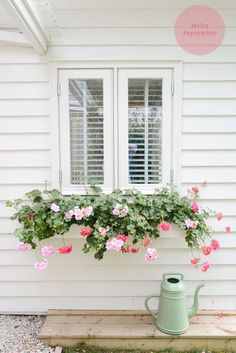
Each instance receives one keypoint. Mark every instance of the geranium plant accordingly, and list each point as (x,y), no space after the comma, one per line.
(120,221)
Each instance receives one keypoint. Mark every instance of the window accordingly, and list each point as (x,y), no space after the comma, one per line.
(115,140)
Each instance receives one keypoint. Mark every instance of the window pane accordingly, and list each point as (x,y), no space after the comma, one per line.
(145,116)
(86,131)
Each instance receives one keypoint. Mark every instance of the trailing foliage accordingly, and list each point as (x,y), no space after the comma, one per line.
(121,220)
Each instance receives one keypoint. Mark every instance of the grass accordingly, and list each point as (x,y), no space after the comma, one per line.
(90,349)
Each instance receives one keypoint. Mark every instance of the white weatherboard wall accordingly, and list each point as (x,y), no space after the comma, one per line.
(77,281)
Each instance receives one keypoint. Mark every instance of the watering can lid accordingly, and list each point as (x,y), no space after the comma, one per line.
(173,281)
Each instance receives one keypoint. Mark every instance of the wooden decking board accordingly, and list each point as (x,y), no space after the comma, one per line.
(136,329)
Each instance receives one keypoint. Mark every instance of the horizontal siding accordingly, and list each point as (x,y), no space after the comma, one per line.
(86,273)
(114,288)
(128,17)
(24,73)
(23,141)
(23,124)
(118,36)
(128,4)
(24,90)
(209,125)
(209,89)
(41,304)
(24,159)
(138,52)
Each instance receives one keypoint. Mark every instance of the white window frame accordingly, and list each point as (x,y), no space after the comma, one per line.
(123,76)
(106,75)
(176,88)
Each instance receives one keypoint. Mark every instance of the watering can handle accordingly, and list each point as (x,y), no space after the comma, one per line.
(146,303)
(171,274)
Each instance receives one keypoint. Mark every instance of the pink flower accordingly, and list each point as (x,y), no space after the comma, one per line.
(120,210)
(193,192)
(103,231)
(114,244)
(190,224)
(195,207)
(151,254)
(22,246)
(54,207)
(215,244)
(134,250)
(69,214)
(219,216)
(47,251)
(85,231)
(228,229)
(205,266)
(195,260)
(206,250)
(78,213)
(87,211)
(41,265)
(67,249)
(146,242)
(122,237)
(165,226)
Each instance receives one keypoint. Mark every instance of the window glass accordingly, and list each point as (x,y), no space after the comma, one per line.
(145,131)
(86,131)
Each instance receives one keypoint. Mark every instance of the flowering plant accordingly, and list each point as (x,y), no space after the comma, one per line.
(119,221)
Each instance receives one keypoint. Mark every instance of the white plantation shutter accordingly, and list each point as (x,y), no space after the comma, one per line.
(144,131)
(145,123)
(86,131)
(86,123)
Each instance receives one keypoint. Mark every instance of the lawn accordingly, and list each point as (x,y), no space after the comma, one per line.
(88,349)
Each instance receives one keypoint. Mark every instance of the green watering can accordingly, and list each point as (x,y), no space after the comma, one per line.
(172,316)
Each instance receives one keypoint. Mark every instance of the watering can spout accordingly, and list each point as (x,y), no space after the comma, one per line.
(194,308)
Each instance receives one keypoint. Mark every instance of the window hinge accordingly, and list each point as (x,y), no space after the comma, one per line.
(60,176)
(172,88)
(58,88)
(172,175)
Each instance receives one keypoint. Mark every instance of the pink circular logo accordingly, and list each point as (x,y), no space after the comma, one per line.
(199,29)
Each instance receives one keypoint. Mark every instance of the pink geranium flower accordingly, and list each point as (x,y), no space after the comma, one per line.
(151,254)
(42,265)
(146,242)
(206,250)
(78,213)
(215,244)
(54,207)
(122,237)
(87,211)
(228,229)
(219,216)
(22,246)
(47,251)
(195,260)
(165,226)
(69,214)
(195,207)
(190,224)
(205,266)
(120,210)
(85,231)
(103,231)
(114,244)
(67,249)
(193,192)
